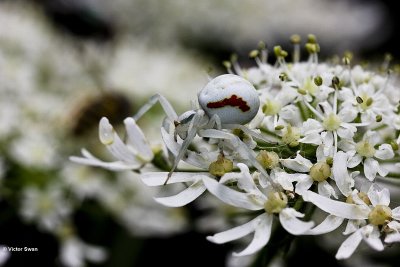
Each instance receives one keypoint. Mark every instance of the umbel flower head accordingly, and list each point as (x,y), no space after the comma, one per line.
(277,140)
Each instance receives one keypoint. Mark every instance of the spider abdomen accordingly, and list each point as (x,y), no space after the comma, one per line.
(232,98)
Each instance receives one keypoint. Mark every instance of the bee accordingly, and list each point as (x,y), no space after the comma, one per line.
(112,105)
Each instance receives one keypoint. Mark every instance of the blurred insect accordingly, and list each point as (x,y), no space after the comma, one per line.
(112,105)
(227,102)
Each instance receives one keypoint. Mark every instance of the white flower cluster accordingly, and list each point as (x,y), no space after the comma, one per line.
(322,136)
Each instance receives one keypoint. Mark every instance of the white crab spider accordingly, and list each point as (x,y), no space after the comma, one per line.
(227,102)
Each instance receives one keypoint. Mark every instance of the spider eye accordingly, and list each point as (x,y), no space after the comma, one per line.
(231,97)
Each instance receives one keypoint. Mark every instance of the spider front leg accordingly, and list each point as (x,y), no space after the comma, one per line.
(214,121)
(167,107)
(191,134)
(258,136)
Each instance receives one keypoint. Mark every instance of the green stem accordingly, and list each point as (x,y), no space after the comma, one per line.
(303,114)
(268,132)
(393,175)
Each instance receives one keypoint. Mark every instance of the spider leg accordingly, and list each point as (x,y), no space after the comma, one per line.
(167,107)
(242,148)
(214,121)
(254,134)
(192,131)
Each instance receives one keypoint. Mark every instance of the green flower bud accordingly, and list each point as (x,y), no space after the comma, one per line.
(329,160)
(318,81)
(279,52)
(276,202)
(295,39)
(311,38)
(336,82)
(254,53)
(221,166)
(394,145)
(320,171)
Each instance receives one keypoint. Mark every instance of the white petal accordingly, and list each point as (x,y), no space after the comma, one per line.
(237,232)
(311,126)
(349,246)
(289,221)
(232,197)
(326,190)
(347,114)
(114,144)
(245,180)
(392,237)
(347,145)
(353,225)
(384,151)
(340,174)
(304,184)
(371,236)
(184,197)
(90,160)
(337,208)
(396,213)
(330,224)
(345,132)
(371,167)
(137,139)
(311,138)
(159,178)
(372,137)
(327,108)
(378,195)
(286,179)
(261,236)
(354,161)
(299,163)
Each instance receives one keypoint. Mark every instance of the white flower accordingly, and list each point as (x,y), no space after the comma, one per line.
(48,208)
(364,151)
(379,214)
(253,199)
(338,122)
(369,101)
(130,155)
(318,172)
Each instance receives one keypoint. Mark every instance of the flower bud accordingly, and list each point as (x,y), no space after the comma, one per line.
(221,166)
(320,171)
(318,81)
(379,215)
(268,159)
(276,202)
(362,195)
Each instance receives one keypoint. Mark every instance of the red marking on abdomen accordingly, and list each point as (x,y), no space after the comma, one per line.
(233,101)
